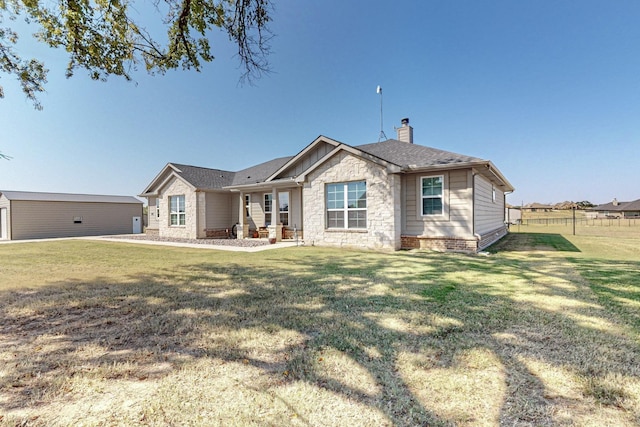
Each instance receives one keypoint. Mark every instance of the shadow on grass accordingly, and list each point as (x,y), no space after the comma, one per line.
(533,242)
(617,284)
(376,310)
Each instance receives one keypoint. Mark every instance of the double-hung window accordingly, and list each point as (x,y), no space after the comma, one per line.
(177,214)
(247,205)
(283,206)
(432,194)
(347,205)
(267,209)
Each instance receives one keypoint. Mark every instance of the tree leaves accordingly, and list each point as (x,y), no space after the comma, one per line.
(102,38)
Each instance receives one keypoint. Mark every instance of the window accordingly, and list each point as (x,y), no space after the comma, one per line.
(157,208)
(247,205)
(177,214)
(432,191)
(347,205)
(267,209)
(493,193)
(283,206)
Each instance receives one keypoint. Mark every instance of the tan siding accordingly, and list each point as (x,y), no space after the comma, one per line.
(219,210)
(295,208)
(307,160)
(489,215)
(40,219)
(457,200)
(152,215)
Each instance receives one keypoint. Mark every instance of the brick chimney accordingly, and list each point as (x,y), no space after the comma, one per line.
(405,132)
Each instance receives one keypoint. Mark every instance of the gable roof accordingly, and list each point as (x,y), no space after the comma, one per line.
(67,197)
(396,155)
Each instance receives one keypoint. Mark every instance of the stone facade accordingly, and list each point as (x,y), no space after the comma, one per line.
(383,204)
(190,229)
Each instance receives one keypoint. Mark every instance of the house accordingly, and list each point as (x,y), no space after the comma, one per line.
(537,207)
(616,209)
(390,195)
(32,215)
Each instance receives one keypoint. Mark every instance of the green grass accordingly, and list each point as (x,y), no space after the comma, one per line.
(544,331)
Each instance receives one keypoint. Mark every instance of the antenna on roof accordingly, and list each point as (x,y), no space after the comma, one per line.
(382,135)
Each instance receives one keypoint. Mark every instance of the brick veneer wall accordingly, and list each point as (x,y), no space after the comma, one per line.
(440,243)
(218,233)
(453,243)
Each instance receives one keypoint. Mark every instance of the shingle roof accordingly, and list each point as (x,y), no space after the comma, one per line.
(67,197)
(397,152)
(405,154)
(620,207)
(204,178)
(632,206)
(259,173)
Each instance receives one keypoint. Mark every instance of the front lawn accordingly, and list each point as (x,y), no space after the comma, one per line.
(541,332)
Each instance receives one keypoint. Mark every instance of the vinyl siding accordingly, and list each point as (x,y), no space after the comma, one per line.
(307,160)
(489,215)
(219,210)
(152,215)
(40,219)
(456,221)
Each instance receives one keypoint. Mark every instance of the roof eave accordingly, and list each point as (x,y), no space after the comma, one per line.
(263,185)
(492,172)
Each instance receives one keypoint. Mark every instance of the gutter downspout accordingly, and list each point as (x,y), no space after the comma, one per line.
(473,209)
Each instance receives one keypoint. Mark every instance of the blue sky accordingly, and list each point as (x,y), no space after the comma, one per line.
(547,90)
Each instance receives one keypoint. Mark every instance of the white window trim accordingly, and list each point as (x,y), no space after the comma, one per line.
(346,208)
(442,197)
(178,212)
(269,212)
(288,207)
(247,205)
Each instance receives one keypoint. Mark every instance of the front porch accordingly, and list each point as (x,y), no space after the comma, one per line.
(270,211)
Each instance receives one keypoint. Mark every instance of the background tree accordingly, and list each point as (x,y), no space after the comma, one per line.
(102,37)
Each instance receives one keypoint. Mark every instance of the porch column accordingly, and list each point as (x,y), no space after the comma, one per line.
(242,230)
(275,229)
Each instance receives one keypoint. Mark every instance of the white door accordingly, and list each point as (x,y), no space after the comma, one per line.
(137,225)
(3,223)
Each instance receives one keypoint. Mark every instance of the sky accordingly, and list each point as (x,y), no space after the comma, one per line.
(548,90)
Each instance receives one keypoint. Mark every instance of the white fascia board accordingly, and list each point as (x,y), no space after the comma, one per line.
(147,190)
